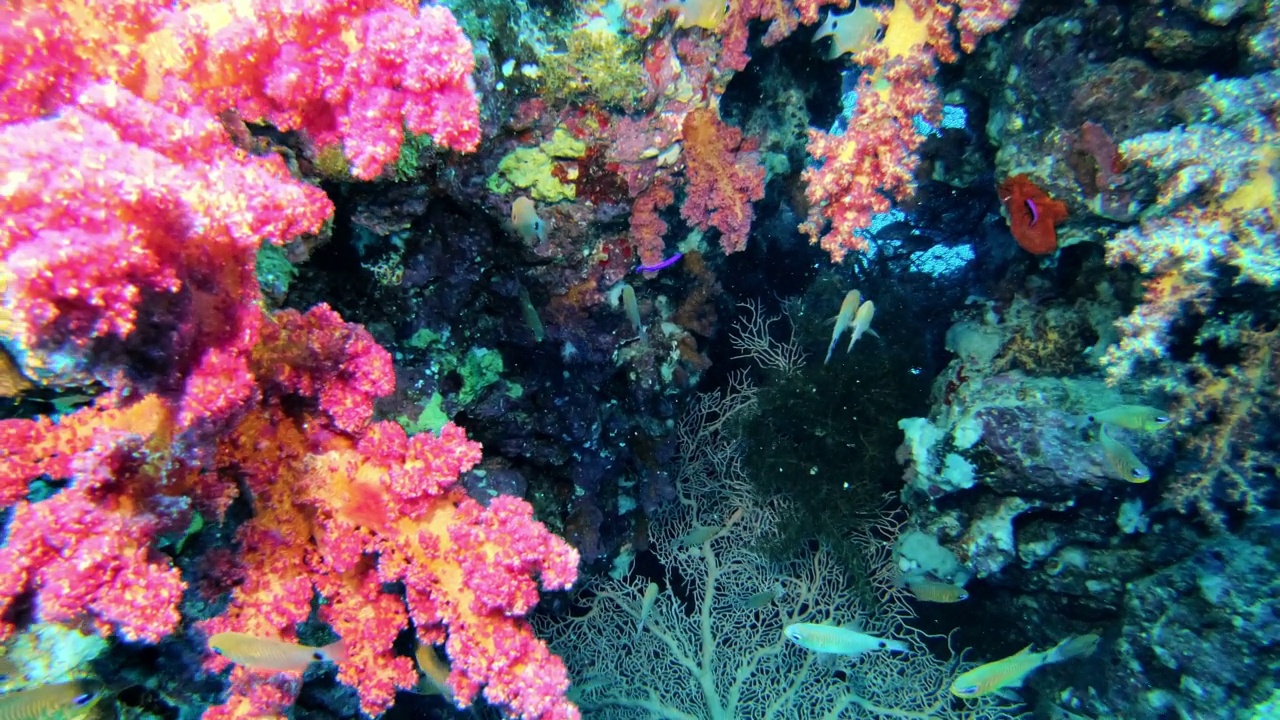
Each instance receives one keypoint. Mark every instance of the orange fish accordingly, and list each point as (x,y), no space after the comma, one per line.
(64,701)
(275,655)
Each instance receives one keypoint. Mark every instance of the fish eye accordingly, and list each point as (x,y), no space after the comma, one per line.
(82,699)
(1139,473)
(1162,419)
(882,644)
(217,651)
(317,656)
(969,690)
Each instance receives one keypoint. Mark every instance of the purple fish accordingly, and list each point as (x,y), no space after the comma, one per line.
(662,265)
(1035,211)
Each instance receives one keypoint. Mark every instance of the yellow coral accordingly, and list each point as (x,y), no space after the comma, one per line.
(541,171)
(332,164)
(1234,407)
(598,65)
(389,270)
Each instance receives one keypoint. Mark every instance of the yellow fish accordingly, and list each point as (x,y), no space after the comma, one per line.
(851,32)
(838,640)
(706,14)
(848,308)
(63,701)
(923,588)
(862,323)
(1010,672)
(1142,418)
(8,668)
(435,673)
(1121,459)
(525,220)
(269,654)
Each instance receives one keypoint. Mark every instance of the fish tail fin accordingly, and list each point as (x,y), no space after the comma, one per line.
(897,646)
(1073,647)
(333,652)
(824,30)
(830,349)
(855,337)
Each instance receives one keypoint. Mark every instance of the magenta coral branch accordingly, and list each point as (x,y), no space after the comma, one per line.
(129,229)
(660,265)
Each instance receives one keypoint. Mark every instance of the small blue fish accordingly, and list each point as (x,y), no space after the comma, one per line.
(69,700)
(763,599)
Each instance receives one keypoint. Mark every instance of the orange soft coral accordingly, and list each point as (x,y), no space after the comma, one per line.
(1032,215)
(725,178)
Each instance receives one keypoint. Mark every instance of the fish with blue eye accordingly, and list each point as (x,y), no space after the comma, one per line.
(1122,461)
(61,701)
(834,640)
(1142,418)
(270,654)
(1009,672)
(930,590)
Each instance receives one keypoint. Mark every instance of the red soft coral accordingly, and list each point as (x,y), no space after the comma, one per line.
(1032,215)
